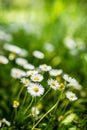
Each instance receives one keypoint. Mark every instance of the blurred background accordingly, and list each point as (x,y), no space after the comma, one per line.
(58,28)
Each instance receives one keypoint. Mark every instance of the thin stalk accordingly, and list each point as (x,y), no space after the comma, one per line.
(45,94)
(20,92)
(24,98)
(46,114)
(29,105)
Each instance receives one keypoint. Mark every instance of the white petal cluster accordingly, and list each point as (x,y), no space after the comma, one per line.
(45,67)
(55,72)
(35,111)
(3,59)
(28,66)
(21,61)
(71,96)
(38,54)
(72,82)
(17,73)
(37,78)
(25,81)
(53,84)
(15,49)
(5,122)
(35,89)
(31,72)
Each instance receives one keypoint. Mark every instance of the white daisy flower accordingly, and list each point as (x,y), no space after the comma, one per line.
(35,89)
(35,111)
(21,61)
(53,84)
(72,82)
(17,73)
(28,66)
(45,67)
(12,48)
(37,78)
(25,81)
(3,59)
(31,72)
(55,72)
(71,96)
(38,54)
(68,78)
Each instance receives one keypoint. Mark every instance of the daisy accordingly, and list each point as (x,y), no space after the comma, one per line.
(35,111)
(3,59)
(53,84)
(28,66)
(55,72)
(31,72)
(12,48)
(37,78)
(21,61)
(45,67)
(71,96)
(25,81)
(17,73)
(72,82)
(35,89)
(38,54)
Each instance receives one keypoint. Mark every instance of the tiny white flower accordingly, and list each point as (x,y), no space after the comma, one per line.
(31,72)
(21,61)
(35,111)
(55,72)
(72,82)
(29,66)
(68,78)
(6,122)
(71,96)
(38,54)
(12,48)
(37,78)
(3,59)
(45,67)
(35,89)
(53,84)
(25,81)
(17,73)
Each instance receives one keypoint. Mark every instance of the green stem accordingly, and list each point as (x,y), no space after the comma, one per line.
(29,105)
(45,94)
(20,92)
(46,114)
(24,98)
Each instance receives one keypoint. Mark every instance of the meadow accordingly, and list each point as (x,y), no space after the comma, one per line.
(43,65)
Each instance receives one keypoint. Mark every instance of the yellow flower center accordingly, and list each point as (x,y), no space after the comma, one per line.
(36,78)
(71,96)
(53,83)
(36,89)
